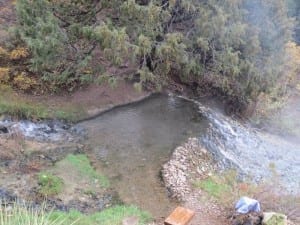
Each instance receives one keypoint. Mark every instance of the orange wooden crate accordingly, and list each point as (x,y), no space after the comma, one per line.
(180,216)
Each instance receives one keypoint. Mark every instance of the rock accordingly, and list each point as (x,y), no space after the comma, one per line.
(130,221)
(252,218)
(3,129)
(272,218)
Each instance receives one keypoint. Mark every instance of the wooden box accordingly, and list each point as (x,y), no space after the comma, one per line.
(180,216)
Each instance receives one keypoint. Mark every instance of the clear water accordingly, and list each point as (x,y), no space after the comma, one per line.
(131,144)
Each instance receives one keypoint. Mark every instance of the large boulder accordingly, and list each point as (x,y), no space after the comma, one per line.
(272,218)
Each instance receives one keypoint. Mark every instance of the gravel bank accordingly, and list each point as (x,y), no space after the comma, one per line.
(188,163)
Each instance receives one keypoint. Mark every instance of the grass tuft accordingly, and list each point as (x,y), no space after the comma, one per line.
(110,216)
(82,164)
(15,106)
(22,215)
(212,187)
(49,184)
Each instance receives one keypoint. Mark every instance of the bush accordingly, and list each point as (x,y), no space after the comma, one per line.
(4,75)
(3,53)
(24,82)
(235,47)
(19,53)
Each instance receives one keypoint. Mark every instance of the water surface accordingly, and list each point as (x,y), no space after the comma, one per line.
(131,144)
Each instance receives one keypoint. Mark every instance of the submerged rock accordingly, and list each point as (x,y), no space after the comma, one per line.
(3,129)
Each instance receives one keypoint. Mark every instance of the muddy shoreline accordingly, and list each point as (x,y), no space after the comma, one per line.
(27,148)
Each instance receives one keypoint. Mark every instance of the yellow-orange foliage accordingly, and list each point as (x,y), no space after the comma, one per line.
(23,82)
(19,53)
(4,74)
(3,53)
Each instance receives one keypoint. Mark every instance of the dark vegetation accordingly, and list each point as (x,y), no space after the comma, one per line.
(233,48)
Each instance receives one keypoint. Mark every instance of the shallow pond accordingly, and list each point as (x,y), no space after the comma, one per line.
(131,144)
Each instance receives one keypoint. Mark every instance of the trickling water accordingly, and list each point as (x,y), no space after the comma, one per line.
(257,155)
(54,131)
(133,142)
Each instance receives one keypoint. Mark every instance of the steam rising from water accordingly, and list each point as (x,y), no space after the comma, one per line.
(260,156)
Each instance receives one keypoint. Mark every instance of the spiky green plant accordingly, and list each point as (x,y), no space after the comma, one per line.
(23,215)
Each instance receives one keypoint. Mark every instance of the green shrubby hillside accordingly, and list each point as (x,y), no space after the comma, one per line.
(234,47)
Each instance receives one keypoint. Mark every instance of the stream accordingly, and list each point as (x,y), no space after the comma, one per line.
(131,143)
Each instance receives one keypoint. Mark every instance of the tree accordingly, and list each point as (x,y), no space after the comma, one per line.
(233,46)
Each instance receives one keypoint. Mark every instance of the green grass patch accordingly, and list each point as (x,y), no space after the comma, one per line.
(22,110)
(49,184)
(22,215)
(213,187)
(15,106)
(110,216)
(83,165)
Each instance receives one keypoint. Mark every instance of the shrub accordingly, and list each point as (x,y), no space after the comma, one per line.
(24,82)
(3,53)
(4,75)
(234,47)
(19,53)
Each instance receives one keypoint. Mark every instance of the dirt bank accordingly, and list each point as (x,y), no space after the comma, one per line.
(89,101)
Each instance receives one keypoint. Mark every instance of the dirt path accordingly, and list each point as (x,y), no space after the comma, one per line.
(190,163)
(207,211)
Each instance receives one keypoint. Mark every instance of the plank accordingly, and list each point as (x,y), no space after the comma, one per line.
(180,216)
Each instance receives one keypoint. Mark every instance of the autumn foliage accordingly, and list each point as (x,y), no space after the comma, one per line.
(235,47)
